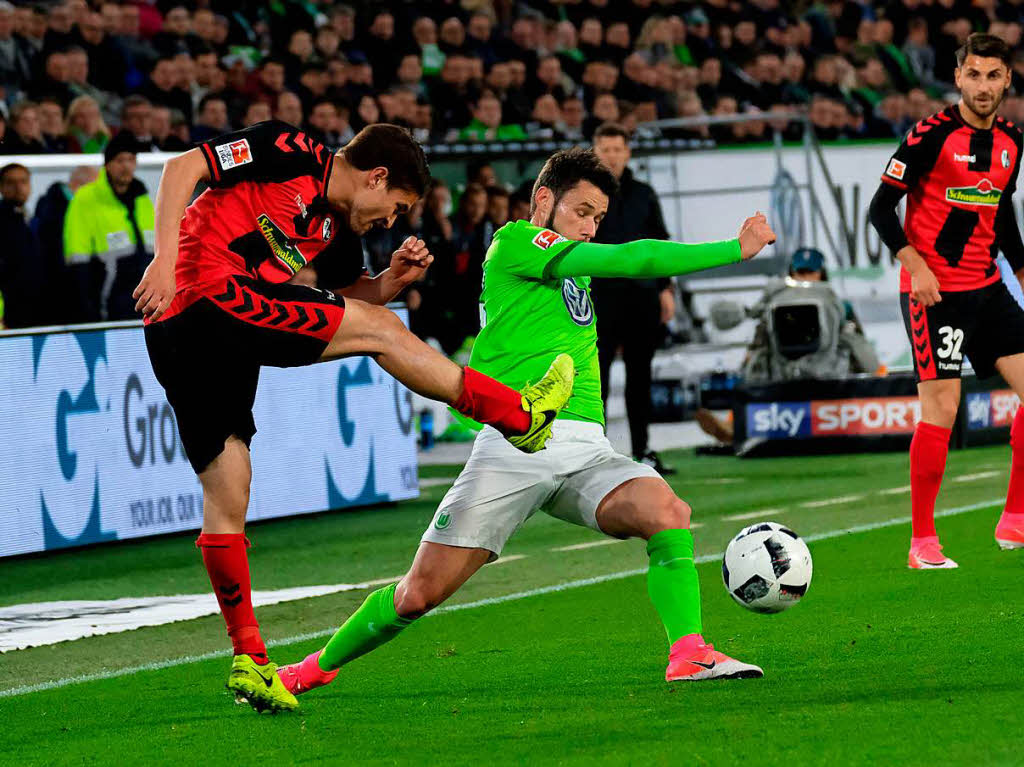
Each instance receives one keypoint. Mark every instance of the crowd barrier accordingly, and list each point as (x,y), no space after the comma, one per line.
(92,451)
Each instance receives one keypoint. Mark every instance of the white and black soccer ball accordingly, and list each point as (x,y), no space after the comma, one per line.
(767,568)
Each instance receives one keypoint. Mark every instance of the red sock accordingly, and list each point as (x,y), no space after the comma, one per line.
(488,401)
(928,451)
(228,567)
(1015,493)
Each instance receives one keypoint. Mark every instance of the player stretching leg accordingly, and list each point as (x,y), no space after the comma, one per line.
(537,286)
(959,170)
(219,305)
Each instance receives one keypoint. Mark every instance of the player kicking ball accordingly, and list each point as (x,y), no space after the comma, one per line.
(959,170)
(220,301)
(536,301)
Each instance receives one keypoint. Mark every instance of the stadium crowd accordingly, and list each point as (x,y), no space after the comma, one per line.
(121,78)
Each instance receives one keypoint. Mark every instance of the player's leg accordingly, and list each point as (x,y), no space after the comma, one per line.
(377,331)
(999,346)
(437,572)
(1010,528)
(495,492)
(646,507)
(936,338)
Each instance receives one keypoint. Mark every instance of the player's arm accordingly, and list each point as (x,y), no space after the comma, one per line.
(408,264)
(915,156)
(1006,224)
(646,259)
(177,183)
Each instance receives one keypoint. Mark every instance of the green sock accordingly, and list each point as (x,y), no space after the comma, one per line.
(672,582)
(372,625)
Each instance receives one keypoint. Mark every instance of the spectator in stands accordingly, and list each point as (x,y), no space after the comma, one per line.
(497,206)
(138,53)
(108,236)
(52,125)
(257,112)
(164,89)
(487,124)
(546,119)
(289,109)
(519,206)
(573,116)
(213,119)
(480,37)
(87,131)
(176,36)
(24,281)
(135,119)
(105,62)
(15,59)
(48,226)
(630,312)
(382,48)
(24,134)
(470,238)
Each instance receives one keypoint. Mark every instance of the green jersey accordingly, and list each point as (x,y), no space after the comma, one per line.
(536,303)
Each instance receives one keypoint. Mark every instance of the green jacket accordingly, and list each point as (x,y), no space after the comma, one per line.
(477,131)
(100,242)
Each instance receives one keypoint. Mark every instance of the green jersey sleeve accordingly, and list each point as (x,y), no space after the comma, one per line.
(536,253)
(525,250)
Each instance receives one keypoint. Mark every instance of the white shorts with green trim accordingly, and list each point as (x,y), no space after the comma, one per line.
(501,487)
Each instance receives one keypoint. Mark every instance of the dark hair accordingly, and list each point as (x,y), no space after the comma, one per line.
(210,97)
(987,46)
(568,167)
(135,100)
(473,168)
(12,166)
(611,129)
(496,191)
(394,148)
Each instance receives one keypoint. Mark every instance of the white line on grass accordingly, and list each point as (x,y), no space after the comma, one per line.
(589,544)
(895,490)
(831,501)
(566,586)
(975,477)
(753,514)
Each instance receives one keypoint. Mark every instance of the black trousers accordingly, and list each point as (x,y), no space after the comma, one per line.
(638,343)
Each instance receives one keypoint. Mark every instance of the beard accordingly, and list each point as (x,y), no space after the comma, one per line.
(987,108)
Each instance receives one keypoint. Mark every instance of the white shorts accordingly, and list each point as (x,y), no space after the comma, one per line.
(501,487)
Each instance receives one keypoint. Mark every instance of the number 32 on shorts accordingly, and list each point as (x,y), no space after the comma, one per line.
(952,338)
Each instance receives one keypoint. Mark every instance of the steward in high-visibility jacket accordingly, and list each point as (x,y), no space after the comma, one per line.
(108,237)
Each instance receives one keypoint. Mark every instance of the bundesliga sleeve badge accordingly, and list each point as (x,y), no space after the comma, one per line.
(896,169)
(234,154)
(546,238)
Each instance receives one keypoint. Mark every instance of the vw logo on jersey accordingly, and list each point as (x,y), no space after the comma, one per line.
(577,301)
(327,231)
(1005,158)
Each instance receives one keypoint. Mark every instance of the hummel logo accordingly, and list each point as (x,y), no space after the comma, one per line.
(708,666)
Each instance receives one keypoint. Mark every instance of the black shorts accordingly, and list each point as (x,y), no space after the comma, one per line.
(208,356)
(984,324)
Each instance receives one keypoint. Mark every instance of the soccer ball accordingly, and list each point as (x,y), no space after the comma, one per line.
(767,568)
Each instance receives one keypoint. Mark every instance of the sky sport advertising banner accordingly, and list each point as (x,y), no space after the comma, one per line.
(92,451)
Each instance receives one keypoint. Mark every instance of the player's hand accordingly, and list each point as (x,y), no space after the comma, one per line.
(754,235)
(157,288)
(411,260)
(924,287)
(667,301)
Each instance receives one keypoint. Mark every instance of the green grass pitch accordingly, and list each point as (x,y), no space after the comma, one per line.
(879,665)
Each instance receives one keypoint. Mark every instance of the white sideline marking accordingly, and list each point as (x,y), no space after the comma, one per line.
(979,475)
(716,481)
(831,501)
(895,490)
(753,514)
(437,481)
(509,558)
(589,544)
(187,659)
(45,623)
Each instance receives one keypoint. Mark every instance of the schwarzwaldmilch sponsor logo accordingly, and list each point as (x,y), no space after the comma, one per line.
(983,193)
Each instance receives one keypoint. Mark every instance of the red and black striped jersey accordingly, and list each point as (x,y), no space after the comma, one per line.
(959,181)
(264,215)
